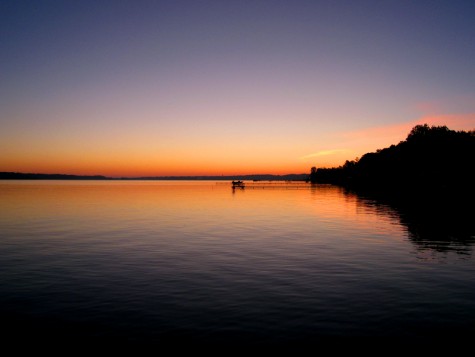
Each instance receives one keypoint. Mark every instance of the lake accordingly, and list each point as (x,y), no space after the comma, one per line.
(197,262)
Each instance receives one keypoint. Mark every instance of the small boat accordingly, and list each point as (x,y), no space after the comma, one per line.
(238,184)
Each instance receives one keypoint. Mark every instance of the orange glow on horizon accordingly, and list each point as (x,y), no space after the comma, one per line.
(130,168)
(145,159)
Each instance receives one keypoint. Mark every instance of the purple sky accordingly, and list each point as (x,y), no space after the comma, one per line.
(220,87)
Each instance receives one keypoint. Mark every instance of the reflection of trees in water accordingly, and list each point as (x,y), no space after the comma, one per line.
(434,224)
(440,228)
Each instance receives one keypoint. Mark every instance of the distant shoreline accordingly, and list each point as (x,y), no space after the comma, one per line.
(38,176)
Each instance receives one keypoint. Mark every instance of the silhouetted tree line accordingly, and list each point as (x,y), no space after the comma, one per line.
(431,157)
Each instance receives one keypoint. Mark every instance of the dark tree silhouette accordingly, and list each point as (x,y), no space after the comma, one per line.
(431,159)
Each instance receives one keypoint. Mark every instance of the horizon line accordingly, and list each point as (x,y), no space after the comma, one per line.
(3,175)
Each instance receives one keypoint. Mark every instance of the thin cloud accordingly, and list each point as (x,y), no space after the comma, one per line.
(325,153)
(391,134)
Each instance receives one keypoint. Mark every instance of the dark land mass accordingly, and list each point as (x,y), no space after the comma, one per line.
(427,180)
(432,161)
(35,176)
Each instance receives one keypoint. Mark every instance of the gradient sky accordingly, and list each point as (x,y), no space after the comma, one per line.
(132,88)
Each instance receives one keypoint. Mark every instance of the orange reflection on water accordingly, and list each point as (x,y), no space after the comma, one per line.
(188,208)
(193,211)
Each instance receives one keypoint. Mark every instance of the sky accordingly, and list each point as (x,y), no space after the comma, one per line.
(157,88)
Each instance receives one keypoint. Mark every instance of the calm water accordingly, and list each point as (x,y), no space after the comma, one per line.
(196,262)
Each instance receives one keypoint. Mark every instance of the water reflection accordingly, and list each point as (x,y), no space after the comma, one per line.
(185,263)
(435,225)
